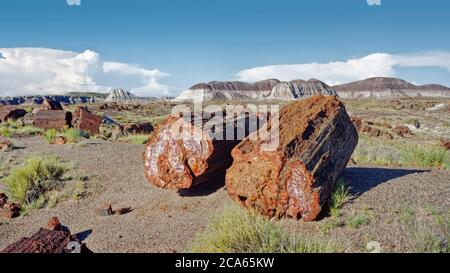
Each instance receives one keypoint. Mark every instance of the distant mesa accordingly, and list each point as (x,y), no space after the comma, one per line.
(37,100)
(120,95)
(271,89)
(382,87)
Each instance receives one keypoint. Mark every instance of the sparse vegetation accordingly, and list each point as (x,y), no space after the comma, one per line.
(341,195)
(238,231)
(136,139)
(30,183)
(359,219)
(50,135)
(403,154)
(429,233)
(70,135)
(4,131)
(10,128)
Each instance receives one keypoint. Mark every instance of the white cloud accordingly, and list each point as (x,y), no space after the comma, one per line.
(373,65)
(374,2)
(26,71)
(73,2)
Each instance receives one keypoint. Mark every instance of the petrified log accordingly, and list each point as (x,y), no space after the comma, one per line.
(138,128)
(197,155)
(11,112)
(296,178)
(48,241)
(52,119)
(48,104)
(86,121)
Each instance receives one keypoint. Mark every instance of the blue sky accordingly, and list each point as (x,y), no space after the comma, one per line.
(202,40)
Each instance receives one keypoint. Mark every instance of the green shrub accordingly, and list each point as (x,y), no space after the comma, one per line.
(72,135)
(29,183)
(29,131)
(238,231)
(358,220)
(136,139)
(410,155)
(50,135)
(4,131)
(427,157)
(341,195)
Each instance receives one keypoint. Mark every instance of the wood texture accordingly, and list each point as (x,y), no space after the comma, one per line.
(317,139)
(52,119)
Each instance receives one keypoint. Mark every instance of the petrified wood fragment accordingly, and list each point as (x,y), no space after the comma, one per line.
(86,121)
(316,141)
(52,119)
(48,241)
(8,112)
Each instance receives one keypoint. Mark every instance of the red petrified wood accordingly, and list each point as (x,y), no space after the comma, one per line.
(52,119)
(184,162)
(57,239)
(86,121)
(11,112)
(316,140)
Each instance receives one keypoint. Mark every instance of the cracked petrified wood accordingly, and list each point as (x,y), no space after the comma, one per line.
(8,112)
(48,241)
(184,162)
(86,121)
(52,119)
(316,140)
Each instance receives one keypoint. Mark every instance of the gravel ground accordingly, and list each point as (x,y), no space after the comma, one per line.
(161,221)
(167,221)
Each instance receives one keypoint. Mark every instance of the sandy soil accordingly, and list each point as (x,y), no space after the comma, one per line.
(167,221)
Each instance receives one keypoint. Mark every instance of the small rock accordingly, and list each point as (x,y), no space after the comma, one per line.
(445,143)
(402,131)
(55,224)
(416,124)
(10,210)
(5,144)
(3,200)
(388,136)
(117,133)
(60,140)
(375,132)
(105,210)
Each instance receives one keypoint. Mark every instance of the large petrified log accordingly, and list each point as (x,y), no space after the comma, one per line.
(58,240)
(296,179)
(183,160)
(52,119)
(86,121)
(11,112)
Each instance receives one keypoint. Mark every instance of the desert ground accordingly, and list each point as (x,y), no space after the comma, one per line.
(400,202)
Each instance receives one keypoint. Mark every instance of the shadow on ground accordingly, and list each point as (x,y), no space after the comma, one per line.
(362,180)
(205,189)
